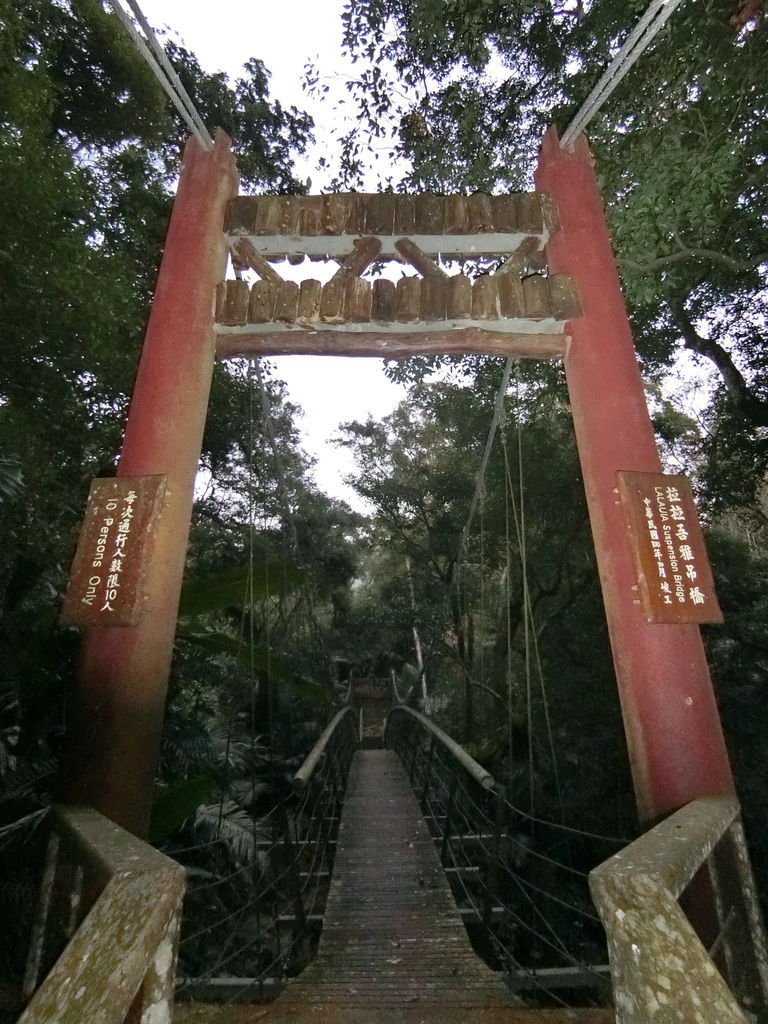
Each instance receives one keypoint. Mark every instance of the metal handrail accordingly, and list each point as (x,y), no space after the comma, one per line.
(286,884)
(129,935)
(499,862)
(305,772)
(476,771)
(660,968)
(125,897)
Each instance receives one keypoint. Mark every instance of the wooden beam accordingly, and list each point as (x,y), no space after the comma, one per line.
(419,259)
(459,305)
(388,345)
(363,254)
(384,299)
(522,255)
(317,246)
(244,255)
(385,213)
(232,302)
(564,301)
(536,303)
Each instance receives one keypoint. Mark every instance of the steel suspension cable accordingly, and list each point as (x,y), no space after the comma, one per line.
(249,602)
(530,635)
(157,59)
(522,543)
(654,19)
(508,626)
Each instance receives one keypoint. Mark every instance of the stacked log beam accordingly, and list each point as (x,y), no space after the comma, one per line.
(517,310)
(429,300)
(276,227)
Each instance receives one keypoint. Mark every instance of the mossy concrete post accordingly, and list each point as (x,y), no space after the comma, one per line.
(121,959)
(673,729)
(114,735)
(661,971)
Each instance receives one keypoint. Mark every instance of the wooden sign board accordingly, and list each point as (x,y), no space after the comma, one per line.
(674,574)
(105,584)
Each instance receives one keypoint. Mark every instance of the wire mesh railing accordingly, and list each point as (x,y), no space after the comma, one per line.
(520,882)
(250,920)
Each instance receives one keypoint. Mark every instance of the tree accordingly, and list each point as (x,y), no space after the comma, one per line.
(510,615)
(88,155)
(468,88)
(680,147)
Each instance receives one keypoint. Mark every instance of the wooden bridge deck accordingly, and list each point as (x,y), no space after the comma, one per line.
(393,948)
(392,934)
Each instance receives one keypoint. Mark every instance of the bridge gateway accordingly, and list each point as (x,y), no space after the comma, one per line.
(575,313)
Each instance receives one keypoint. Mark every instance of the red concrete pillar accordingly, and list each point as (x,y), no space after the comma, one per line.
(113,740)
(673,728)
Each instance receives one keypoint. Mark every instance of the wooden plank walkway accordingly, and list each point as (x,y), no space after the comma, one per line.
(393,948)
(392,935)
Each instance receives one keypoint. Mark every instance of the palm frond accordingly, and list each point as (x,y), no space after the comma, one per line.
(234,826)
(27,778)
(23,829)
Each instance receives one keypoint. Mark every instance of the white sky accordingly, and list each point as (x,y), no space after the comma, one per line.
(223,35)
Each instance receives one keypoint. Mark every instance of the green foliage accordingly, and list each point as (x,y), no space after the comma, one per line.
(237,585)
(264,134)
(173,804)
(508,619)
(89,149)
(70,70)
(533,689)
(738,653)
(467,87)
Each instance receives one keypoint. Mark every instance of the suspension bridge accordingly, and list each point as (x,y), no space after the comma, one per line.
(396,881)
(393,944)
(420,879)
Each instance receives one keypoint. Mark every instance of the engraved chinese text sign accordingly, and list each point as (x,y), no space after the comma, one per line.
(674,574)
(105,584)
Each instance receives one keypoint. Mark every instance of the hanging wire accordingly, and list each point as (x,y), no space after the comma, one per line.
(156,57)
(527,619)
(266,414)
(308,605)
(251,604)
(498,411)
(508,624)
(466,825)
(532,652)
(547,715)
(483,595)
(650,24)
(519,521)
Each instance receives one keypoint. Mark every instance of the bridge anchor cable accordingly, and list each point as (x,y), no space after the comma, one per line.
(156,57)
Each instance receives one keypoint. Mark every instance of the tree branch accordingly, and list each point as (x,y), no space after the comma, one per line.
(748,404)
(686,253)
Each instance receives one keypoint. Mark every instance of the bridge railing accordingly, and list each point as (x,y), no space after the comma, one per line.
(520,883)
(263,917)
(111,905)
(661,968)
(524,885)
(107,926)
(320,784)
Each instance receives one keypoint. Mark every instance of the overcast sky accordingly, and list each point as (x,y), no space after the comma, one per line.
(223,35)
